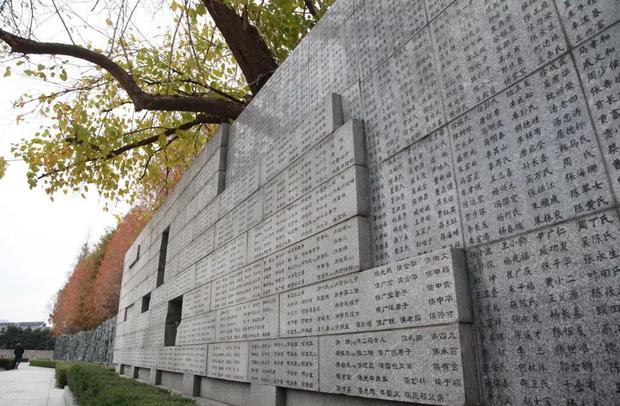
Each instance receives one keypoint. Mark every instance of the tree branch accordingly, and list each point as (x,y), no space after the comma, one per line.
(142,100)
(247,45)
(310,7)
(200,119)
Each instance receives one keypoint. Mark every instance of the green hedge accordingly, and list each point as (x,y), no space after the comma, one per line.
(61,373)
(43,363)
(94,385)
(6,363)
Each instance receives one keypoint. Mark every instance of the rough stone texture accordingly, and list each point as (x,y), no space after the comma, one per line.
(96,345)
(399,131)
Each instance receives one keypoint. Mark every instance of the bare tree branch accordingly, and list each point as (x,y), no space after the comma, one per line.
(142,100)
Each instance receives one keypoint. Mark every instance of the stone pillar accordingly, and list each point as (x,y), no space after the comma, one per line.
(267,395)
(191,384)
(155,376)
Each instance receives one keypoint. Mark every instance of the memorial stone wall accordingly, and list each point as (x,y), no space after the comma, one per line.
(421,205)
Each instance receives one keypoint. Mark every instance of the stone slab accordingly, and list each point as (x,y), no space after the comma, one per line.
(246,215)
(223,260)
(343,148)
(413,196)
(547,307)
(238,287)
(504,42)
(197,301)
(597,62)
(200,329)
(191,358)
(342,197)
(203,196)
(402,99)
(249,321)
(239,189)
(339,250)
(584,19)
(291,363)
(216,163)
(425,290)
(528,157)
(423,365)
(228,361)
(206,217)
(314,126)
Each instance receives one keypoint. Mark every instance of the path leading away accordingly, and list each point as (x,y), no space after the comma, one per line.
(29,386)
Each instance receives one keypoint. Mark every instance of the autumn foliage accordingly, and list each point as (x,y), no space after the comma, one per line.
(91,292)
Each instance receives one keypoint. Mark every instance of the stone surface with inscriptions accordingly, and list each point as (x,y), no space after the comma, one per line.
(425,365)
(421,205)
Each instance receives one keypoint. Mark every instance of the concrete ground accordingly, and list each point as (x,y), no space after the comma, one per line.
(29,386)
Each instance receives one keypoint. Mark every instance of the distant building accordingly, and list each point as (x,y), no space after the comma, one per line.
(22,324)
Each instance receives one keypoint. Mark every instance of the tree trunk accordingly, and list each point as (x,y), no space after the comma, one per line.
(246,43)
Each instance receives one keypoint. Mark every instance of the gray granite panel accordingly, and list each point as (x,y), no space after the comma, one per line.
(402,99)
(228,361)
(216,163)
(425,290)
(342,197)
(217,141)
(192,358)
(237,287)
(206,217)
(246,215)
(583,19)
(339,250)
(202,197)
(421,365)
(383,27)
(315,126)
(547,307)
(482,48)
(345,147)
(180,284)
(239,189)
(414,201)
(196,301)
(223,260)
(597,63)
(291,363)
(249,321)
(528,157)
(199,329)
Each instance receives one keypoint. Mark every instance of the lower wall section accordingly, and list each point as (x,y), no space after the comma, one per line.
(172,380)
(94,345)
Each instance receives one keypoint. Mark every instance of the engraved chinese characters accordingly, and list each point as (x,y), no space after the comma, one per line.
(598,62)
(424,365)
(414,201)
(547,308)
(426,290)
(528,157)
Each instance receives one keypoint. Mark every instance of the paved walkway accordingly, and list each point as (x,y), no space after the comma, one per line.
(29,386)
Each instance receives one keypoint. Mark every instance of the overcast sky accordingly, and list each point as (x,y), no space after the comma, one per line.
(39,239)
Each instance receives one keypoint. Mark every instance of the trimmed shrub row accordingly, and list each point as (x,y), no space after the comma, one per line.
(43,363)
(6,363)
(94,385)
(61,373)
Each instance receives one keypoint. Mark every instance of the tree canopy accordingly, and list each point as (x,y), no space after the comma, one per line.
(91,293)
(127,113)
(30,339)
